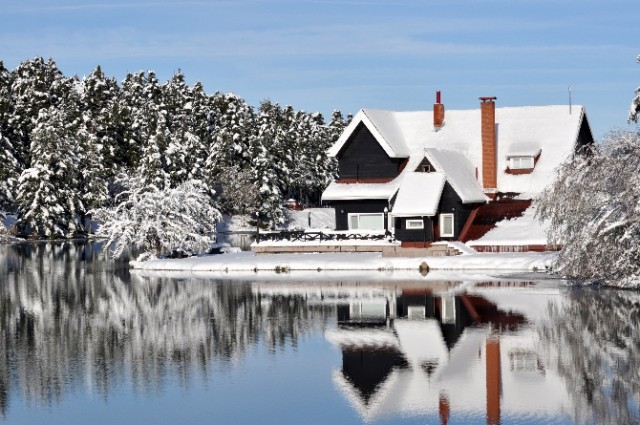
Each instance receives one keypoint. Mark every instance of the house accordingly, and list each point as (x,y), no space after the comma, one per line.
(425,176)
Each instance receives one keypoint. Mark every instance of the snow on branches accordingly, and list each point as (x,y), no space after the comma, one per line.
(594,211)
(634,108)
(158,220)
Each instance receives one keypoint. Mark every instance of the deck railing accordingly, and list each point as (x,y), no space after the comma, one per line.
(302,236)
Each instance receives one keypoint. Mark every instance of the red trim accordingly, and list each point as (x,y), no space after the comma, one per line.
(407,244)
(402,165)
(467,226)
(515,248)
(518,171)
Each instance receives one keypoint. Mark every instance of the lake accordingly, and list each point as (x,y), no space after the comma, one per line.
(86,340)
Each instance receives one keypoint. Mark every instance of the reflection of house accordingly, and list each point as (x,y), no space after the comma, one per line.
(427,178)
(446,355)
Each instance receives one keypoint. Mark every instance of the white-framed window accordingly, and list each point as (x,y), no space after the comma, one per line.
(369,221)
(521,162)
(446,225)
(415,224)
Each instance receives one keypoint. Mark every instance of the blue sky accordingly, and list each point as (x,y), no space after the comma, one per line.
(320,55)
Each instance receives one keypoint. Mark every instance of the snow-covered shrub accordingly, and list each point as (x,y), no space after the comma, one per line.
(158,220)
(594,212)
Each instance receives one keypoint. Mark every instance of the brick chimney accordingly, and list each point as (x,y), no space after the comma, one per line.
(488,131)
(438,113)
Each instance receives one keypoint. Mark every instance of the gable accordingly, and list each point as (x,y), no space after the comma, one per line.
(384,128)
(362,158)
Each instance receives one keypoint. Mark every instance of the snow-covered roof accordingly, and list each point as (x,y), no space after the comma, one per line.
(551,131)
(524,149)
(460,174)
(355,191)
(383,127)
(419,195)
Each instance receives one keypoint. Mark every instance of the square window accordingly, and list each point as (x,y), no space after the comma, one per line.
(415,224)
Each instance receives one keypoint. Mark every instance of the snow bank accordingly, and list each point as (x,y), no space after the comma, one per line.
(284,263)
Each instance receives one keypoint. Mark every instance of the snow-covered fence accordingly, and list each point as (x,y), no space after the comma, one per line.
(302,236)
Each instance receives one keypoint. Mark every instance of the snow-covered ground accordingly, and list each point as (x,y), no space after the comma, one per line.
(227,264)
(521,231)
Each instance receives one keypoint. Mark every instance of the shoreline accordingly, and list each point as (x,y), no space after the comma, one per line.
(355,262)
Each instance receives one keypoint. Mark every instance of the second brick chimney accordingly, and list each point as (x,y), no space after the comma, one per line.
(438,113)
(488,131)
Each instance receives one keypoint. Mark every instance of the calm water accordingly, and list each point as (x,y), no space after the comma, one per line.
(84,340)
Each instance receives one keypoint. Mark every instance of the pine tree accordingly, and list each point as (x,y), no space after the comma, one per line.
(232,133)
(201,119)
(265,175)
(32,90)
(46,202)
(99,99)
(9,166)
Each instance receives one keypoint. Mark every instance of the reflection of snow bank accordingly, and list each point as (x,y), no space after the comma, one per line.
(250,262)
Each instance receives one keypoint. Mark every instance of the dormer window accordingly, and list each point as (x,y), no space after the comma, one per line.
(521,162)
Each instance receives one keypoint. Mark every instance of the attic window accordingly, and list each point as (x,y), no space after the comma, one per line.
(426,168)
(521,162)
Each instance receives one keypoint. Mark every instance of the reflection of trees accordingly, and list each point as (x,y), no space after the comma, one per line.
(598,338)
(68,318)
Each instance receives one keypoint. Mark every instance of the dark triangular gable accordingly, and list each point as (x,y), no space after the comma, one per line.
(425,167)
(585,136)
(362,158)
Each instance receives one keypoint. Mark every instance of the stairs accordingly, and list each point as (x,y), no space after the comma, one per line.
(484,218)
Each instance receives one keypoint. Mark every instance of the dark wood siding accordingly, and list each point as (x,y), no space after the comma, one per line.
(585,137)
(425,163)
(450,202)
(343,208)
(414,235)
(363,158)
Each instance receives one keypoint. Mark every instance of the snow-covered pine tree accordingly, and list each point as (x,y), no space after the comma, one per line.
(183,144)
(9,167)
(201,119)
(91,182)
(46,199)
(265,174)
(153,163)
(138,113)
(31,91)
(231,138)
(159,220)
(99,97)
(337,125)
(313,170)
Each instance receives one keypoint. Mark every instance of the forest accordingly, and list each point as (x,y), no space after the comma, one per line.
(70,146)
